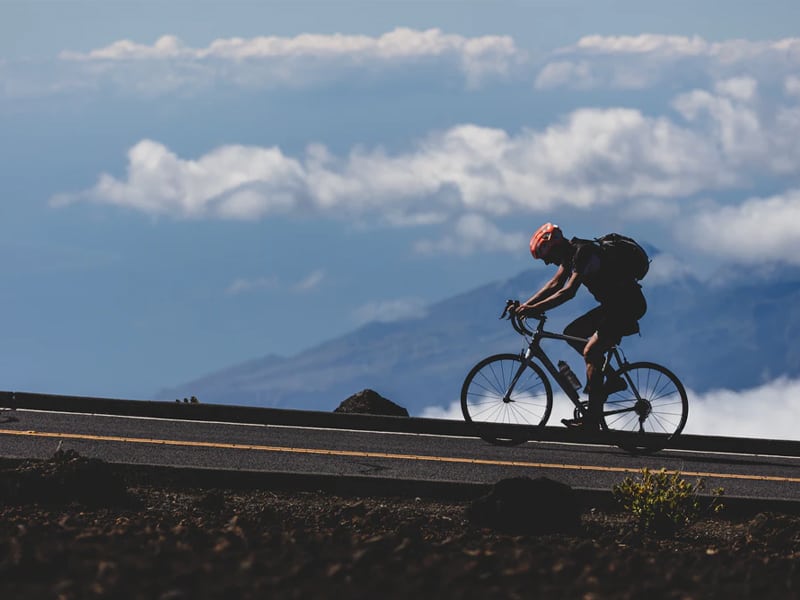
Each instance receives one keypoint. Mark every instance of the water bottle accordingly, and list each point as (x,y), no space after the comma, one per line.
(568,375)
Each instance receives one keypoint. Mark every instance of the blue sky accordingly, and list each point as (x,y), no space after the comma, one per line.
(188,185)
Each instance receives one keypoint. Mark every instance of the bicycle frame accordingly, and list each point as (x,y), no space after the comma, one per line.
(535,350)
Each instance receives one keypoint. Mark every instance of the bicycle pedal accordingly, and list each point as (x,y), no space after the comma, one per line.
(580,424)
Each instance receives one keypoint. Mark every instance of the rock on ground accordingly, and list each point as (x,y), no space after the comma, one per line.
(372,403)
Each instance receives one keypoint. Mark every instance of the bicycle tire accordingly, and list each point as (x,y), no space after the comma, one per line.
(483,397)
(653,405)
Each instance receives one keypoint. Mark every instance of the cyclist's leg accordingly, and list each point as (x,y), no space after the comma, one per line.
(583,327)
(594,355)
(622,319)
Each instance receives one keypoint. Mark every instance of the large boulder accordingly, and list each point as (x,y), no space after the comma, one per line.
(522,505)
(370,402)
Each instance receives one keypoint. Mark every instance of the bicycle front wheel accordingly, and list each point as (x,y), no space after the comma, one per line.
(505,389)
(653,405)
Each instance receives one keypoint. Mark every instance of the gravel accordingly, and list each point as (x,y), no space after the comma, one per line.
(165,542)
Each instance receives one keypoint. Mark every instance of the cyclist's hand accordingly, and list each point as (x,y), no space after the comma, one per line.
(528,312)
(510,309)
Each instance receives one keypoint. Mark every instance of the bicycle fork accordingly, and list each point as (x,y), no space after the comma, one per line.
(522,366)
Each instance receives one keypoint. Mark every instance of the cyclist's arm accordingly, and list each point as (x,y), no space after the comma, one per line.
(557,297)
(549,288)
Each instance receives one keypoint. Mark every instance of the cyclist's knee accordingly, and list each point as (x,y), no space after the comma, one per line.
(593,351)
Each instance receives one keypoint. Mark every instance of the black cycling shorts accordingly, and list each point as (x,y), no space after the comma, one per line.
(611,320)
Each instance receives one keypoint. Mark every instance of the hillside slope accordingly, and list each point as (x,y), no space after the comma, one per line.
(733,335)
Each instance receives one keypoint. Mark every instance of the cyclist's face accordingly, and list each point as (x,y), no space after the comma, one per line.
(556,255)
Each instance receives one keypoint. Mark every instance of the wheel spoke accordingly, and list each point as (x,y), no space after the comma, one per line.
(655,401)
(486,397)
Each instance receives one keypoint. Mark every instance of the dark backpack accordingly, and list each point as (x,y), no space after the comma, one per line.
(625,257)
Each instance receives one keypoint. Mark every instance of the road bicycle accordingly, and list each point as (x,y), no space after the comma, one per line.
(506,390)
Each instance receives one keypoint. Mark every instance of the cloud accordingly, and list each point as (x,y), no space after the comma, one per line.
(307,58)
(592,157)
(770,411)
(757,231)
(234,182)
(244,285)
(642,61)
(474,233)
(734,119)
(666,268)
(311,282)
(169,66)
(721,140)
(386,311)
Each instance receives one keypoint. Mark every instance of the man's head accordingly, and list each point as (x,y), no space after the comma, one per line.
(548,244)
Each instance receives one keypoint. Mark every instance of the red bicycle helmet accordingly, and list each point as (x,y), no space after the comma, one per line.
(547,236)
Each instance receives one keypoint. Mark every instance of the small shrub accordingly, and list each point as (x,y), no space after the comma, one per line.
(663,502)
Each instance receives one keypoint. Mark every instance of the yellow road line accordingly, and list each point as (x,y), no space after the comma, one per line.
(362,454)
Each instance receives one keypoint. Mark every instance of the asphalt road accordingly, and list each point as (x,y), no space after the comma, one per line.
(404,456)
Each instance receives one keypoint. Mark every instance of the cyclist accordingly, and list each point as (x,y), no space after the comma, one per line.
(622,304)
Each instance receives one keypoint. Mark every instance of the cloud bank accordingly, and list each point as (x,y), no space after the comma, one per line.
(642,61)
(594,157)
(308,57)
(718,140)
(170,67)
(757,231)
(733,124)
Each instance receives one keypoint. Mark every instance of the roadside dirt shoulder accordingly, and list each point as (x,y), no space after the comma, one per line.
(170,544)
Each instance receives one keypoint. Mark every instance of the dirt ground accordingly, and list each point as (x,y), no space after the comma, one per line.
(160,543)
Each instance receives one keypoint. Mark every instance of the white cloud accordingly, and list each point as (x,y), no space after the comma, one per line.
(559,73)
(311,282)
(757,231)
(244,285)
(670,45)
(308,57)
(236,182)
(169,66)
(593,157)
(167,46)
(666,268)
(474,233)
(387,311)
(463,177)
(741,132)
(638,62)
(770,411)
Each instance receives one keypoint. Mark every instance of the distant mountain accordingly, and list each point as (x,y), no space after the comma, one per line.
(713,335)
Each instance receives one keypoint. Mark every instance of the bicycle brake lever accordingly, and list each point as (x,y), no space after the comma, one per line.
(509,304)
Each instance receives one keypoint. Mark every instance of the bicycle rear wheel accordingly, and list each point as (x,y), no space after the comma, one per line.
(653,405)
(504,389)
